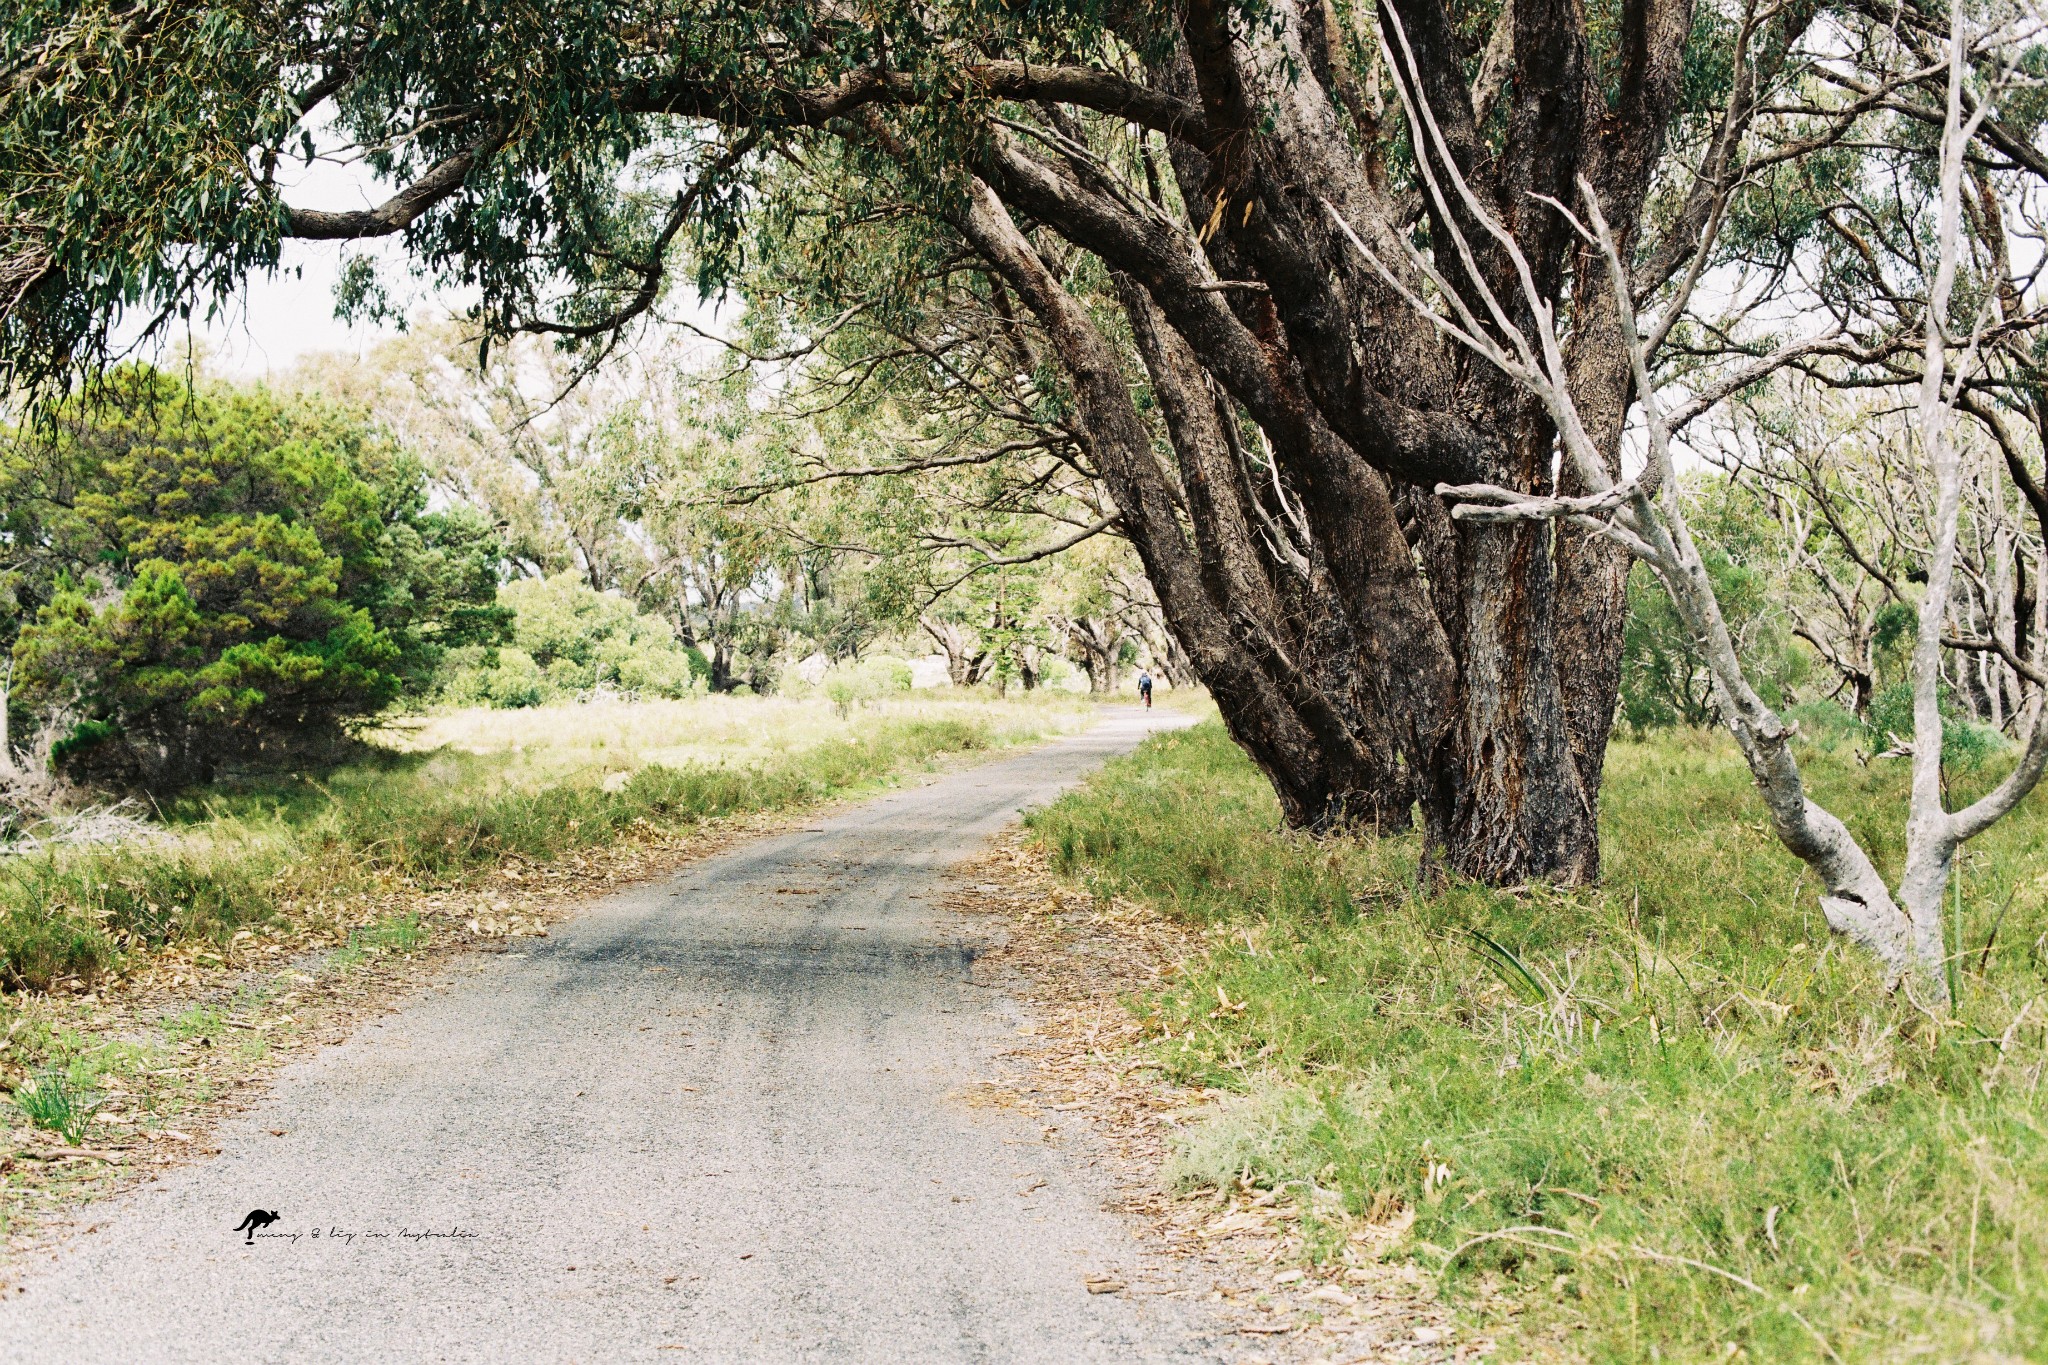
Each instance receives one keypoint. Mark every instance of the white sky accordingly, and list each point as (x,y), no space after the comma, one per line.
(284,316)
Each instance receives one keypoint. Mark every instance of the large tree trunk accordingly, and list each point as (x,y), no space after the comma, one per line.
(1094,646)
(963,660)
(1487,654)
(1276,599)
(1323,775)
(1515,808)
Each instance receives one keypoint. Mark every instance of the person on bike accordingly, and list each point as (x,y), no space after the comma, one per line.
(1145,689)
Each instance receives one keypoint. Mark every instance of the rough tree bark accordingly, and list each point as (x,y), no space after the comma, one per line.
(1093,643)
(964,662)
(1459,666)
(1321,773)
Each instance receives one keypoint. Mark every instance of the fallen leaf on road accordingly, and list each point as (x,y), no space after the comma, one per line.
(1104,1284)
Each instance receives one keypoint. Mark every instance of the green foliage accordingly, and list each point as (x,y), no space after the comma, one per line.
(82,737)
(125,140)
(1893,627)
(69,917)
(1679,1079)
(51,1101)
(1829,726)
(141,140)
(221,565)
(1965,744)
(569,638)
(858,681)
(1664,680)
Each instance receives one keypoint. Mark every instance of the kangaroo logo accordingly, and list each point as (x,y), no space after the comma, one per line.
(257,1220)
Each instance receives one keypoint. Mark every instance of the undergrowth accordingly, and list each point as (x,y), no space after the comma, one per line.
(1670,1119)
(51,1101)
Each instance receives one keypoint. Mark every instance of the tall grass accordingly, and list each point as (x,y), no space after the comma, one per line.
(1670,1119)
(248,857)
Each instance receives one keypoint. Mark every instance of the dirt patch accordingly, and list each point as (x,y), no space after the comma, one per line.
(1079,963)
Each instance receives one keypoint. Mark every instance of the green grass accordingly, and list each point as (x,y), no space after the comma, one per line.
(51,1101)
(249,857)
(1670,1119)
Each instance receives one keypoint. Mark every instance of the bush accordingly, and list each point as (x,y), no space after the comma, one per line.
(69,915)
(500,677)
(569,639)
(1965,744)
(1827,725)
(221,575)
(857,682)
(1664,680)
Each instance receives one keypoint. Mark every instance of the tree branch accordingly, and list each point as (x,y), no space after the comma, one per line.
(396,213)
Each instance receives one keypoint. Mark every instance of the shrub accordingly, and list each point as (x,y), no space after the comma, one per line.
(223,575)
(857,682)
(1964,743)
(51,1101)
(39,948)
(569,639)
(1827,725)
(1664,681)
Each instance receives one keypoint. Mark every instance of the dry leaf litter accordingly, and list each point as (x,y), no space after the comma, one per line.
(1077,961)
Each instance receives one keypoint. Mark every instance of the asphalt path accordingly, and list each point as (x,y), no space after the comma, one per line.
(718,1118)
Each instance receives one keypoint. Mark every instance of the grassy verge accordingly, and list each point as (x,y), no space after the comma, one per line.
(1667,1120)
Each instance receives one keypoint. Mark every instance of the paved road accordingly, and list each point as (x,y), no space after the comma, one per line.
(715,1118)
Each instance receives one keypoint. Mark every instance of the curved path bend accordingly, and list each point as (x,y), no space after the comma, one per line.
(715,1118)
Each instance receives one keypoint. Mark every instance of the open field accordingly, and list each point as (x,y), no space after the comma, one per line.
(1670,1120)
(599,737)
